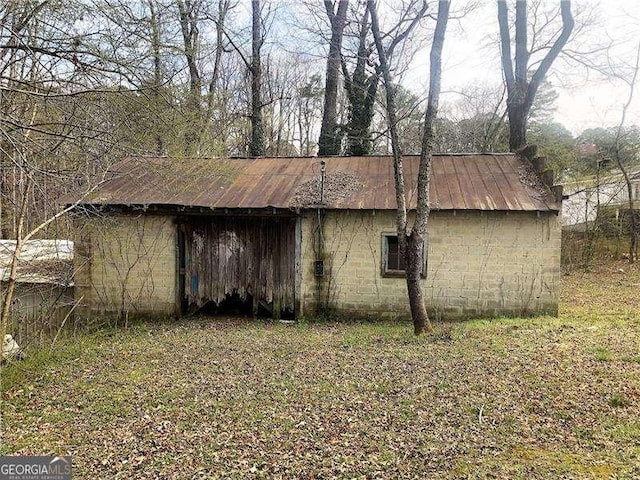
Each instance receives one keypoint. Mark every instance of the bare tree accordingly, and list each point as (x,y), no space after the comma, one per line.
(189,12)
(361,86)
(411,240)
(179,72)
(254,66)
(224,7)
(291,107)
(475,122)
(54,93)
(23,235)
(522,84)
(309,99)
(154,23)
(633,214)
(330,137)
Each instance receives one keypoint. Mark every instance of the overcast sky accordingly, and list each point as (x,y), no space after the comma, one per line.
(586,98)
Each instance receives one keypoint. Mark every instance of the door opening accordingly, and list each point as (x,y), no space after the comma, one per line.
(237,265)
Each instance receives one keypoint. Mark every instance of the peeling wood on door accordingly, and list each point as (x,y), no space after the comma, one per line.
(244,256)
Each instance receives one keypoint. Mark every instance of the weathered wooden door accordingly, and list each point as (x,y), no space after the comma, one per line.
(253,257)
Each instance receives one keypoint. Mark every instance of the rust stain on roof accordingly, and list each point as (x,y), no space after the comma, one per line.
(458,182)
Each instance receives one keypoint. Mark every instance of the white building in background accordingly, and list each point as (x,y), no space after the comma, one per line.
(40,261)
(43,296)
(584,197)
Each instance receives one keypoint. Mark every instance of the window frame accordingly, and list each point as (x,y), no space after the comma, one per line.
(384,257)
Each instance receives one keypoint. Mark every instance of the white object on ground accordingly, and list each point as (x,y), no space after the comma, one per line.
(10,347)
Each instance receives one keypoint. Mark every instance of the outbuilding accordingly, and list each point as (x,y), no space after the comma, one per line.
(43,297)
(304,236)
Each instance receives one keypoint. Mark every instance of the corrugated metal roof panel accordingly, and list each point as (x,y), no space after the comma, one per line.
(458,182)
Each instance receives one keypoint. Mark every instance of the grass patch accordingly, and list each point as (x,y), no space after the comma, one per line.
(630,358)
(42,363)
(602,354)
(617,400)
(227,398)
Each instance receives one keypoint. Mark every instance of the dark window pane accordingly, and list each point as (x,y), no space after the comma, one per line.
(394,260)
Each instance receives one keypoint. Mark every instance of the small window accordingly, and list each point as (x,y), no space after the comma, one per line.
(395,261)
(393,264)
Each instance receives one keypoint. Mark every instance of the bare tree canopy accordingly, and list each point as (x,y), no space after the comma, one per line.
(522,83)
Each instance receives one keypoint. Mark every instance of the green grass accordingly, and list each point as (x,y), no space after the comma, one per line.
(504,398)
(617,400)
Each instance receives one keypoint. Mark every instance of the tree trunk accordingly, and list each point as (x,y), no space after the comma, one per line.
(633,234)
(157,73)
(330,137)
(633,246)
(190,36)
(223,9)
(412,246)
(517,127)
(361,107)
(423,209)
(398,168)
(257,145)
(361,92)
(414,260)
(214,80)
(11,285)
(633,224)
(5,313)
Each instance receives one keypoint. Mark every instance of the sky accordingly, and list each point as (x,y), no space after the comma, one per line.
(586,98)
(595,101)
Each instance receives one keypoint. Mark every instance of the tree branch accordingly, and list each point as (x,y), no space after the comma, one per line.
(401,202)
(433,101)
(402,35)
(554,51)
(505,44)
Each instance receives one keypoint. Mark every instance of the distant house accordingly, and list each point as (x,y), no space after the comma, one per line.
(301,236)
(586,198)
(44,284)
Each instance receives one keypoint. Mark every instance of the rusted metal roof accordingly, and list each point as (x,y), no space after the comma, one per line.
(458,182)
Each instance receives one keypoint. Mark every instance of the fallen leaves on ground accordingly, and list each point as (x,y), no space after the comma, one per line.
(217,398)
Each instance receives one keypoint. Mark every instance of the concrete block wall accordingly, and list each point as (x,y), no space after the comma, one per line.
(127,264)
(478,264)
